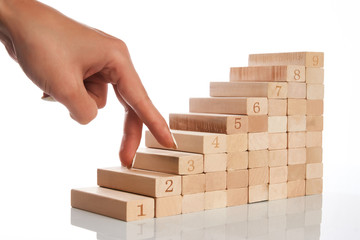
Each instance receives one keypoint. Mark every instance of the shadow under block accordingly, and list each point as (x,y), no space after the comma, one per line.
(313,139)
(313,155)
(314,186)
(278,158)
(296,156)
(229,105)
(315,91)
(314,75)
(193,203)
(237,179)
(277,124)
(258,176)
(215,162)
(296,188)
(258,193)
(278,174)
(277,191)
(258,159)
(296,172)
(258,141)
(314,107)
(215,181)
(296,123)
(314,123)
(193,184)
(148,183)
(277,141)
(248,89)
(296,106)
(258,123)
(237,142)
(314,170)
(204,122)
(277,107)
(296,139)
(168,206)
(307,59)
(297,90)
(237,160)
(287,73)
(215,199)
(116,204)
(196,142)
(237,196)
(173,162)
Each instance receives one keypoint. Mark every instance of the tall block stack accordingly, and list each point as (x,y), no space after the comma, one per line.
(257,137)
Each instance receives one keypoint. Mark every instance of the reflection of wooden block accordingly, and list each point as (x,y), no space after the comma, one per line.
(277,107)
(296,139)
(296,106)
(278,174)
(296,188)
(307,59)
(314,107)
(314,123)
(215,199)
(296,172)
(313,139)
(173,162)
(314,155)
(258,123)
(237,160)
(314,186)
(168,206)
(258,141)
(129,207)
(277,141)
(230,105)
(277,124)
(277,191)
(193,202)
(314,170)
(297,123)
(193,184)
(258,159)
(197,142)
(296,90)
(237,179)
(215,162)
(258,176)
(315,91)
(278,158)
(148,183)
(215,181)
(237,196)
(258,193)
(236,142)
(314,75)
(296,156)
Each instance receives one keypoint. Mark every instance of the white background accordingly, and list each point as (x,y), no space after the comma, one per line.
(177,47)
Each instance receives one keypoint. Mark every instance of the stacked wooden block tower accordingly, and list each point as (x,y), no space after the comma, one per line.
(257,138)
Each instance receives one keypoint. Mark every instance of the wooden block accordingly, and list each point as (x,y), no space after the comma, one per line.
(230,105)
(296,156)
(193,184)
(313,139)
(296,106)
(314,170)
(278,158)
(315,91)
(278,174)
(129,207)
(313,107)
(148,183)
(314,75)
(297,123)
(215,162)
(297,90)
(314,186)
(258,123)
(215,199)
(277,141)
(258,141)
(237,179)
(313,155)
(307,59)
(237,160)
(287,73)
(215,181)
(193,203)
(314,123)
(277,107)
(296,139)
(296,172)
(168,206)
(236,142)
(258,159)
(248,89)
(277,191)
(277,124)
(296,188)
(205,122)
(258,193)
(196,142)
(173,162)
(258,176)
(237,196)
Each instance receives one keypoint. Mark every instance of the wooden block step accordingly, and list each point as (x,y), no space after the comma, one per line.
(296,106)
(307,59)
(258,193)
(277,124)
(296,139)
(277,191)
(258,141)
(296,188)
(278,158)
(258,176)
(315,91)
(168,206)
(237,196)
(193,203)
(314,107)
(314,75)
(314,186)
(215,162)
(314,139)
(237,142)
(314,170)
(313,155)
(193,184)
(296,156)
(296,123)
(314,123)
(215,181)
(259,158)
(111,203)
(297,90)
(278,141)
(237,160)
(296,172)
(277,107)
(148,183)
(237,179)
(258,123)
(278,174)
(215,199)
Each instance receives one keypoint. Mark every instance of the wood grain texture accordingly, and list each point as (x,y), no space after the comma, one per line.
(193,203)
(314,75)
(296,106)
(277,191)
(215,199)
(307,59)
(258,193)
(314,107)
(193,184)
(315,91)
(278,158)
(314,170)
(237,196)
(296,123)
(297,90)
(277,141)
(314,186)
(237,160)
(277,107)
(237,179)
(314,123)
(296,172)
(277,124)
(257,123)
(258,141)
(296,188)
(215,181)
(296,139)
(168,206)
(258,159)
(215,162)
(258,176)
(314,155)
(278,174)
(237,142)
(314,139)
(296,156)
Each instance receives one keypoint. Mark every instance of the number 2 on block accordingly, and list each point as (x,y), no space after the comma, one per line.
(169,189)
(216,143)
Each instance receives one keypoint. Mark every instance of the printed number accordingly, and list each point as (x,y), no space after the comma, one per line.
(216,142)
(278,88)
(191,165)
(237,123)
(169,189)
(141,210)
(315,60)
(297,74)
(256,107)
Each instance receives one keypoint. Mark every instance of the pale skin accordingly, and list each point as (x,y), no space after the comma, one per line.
(74,64)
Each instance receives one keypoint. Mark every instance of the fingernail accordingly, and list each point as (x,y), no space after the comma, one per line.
(48,98)
(175,146)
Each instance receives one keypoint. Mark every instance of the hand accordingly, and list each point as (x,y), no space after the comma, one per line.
(74,64)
